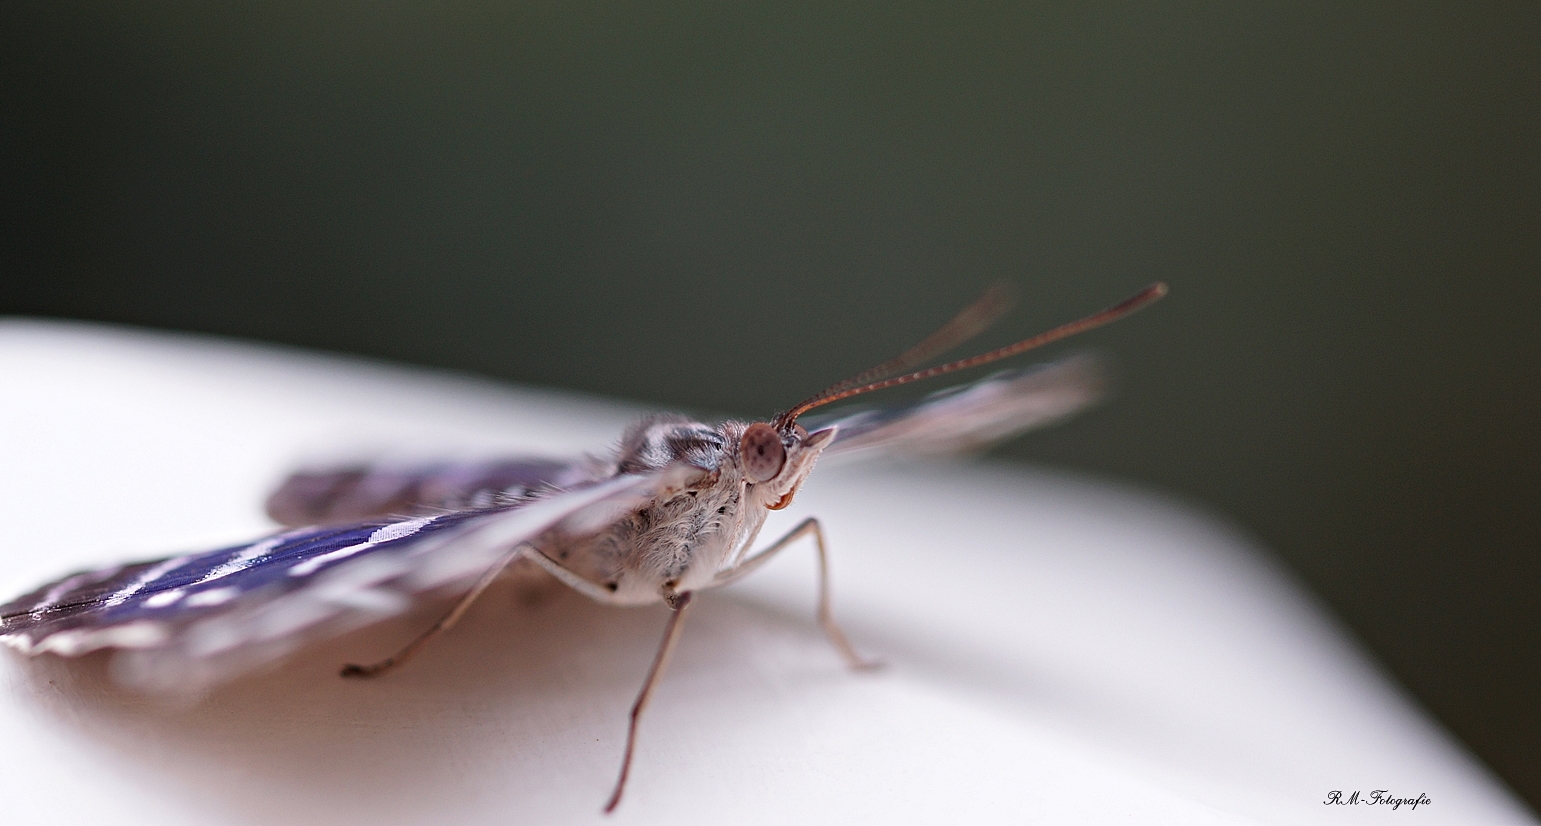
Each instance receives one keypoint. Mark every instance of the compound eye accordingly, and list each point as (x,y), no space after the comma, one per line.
(761,452)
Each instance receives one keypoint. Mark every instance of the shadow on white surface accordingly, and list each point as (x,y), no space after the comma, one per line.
(524,703)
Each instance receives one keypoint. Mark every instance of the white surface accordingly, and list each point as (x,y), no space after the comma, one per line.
(1059,650)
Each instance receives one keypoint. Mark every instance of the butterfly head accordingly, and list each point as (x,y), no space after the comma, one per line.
(775,461)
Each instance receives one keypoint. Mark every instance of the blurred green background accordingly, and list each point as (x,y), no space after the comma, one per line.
(723,207)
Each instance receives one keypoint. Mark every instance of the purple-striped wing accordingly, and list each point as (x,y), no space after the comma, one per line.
(189,621)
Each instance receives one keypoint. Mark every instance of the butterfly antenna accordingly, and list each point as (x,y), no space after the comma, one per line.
(971,321)
(968,323)
(850,387)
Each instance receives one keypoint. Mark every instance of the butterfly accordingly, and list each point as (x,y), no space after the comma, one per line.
(676,508)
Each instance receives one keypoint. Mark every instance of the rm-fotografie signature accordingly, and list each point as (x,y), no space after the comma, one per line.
(1379,797)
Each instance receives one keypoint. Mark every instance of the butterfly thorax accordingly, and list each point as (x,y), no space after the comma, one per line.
(681,541)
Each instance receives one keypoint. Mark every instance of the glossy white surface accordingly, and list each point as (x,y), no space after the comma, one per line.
(1059,649)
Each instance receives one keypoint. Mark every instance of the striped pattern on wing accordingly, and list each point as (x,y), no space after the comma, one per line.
(189,621)
(970,418)
(363,491)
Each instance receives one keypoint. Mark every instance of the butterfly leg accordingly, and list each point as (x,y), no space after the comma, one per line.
(671,635)
(445,623)
(837,637)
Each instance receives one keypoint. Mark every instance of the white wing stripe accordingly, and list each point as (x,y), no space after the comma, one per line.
(149,576)
(245,559)
(397,530)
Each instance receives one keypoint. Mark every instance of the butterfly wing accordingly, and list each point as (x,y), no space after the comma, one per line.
(365,491)
(972,417)
(190,621)
(960,420)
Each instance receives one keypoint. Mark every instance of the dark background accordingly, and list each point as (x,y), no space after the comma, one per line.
(725,206)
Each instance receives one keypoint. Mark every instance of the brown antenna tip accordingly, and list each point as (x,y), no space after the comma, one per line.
(844,390)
